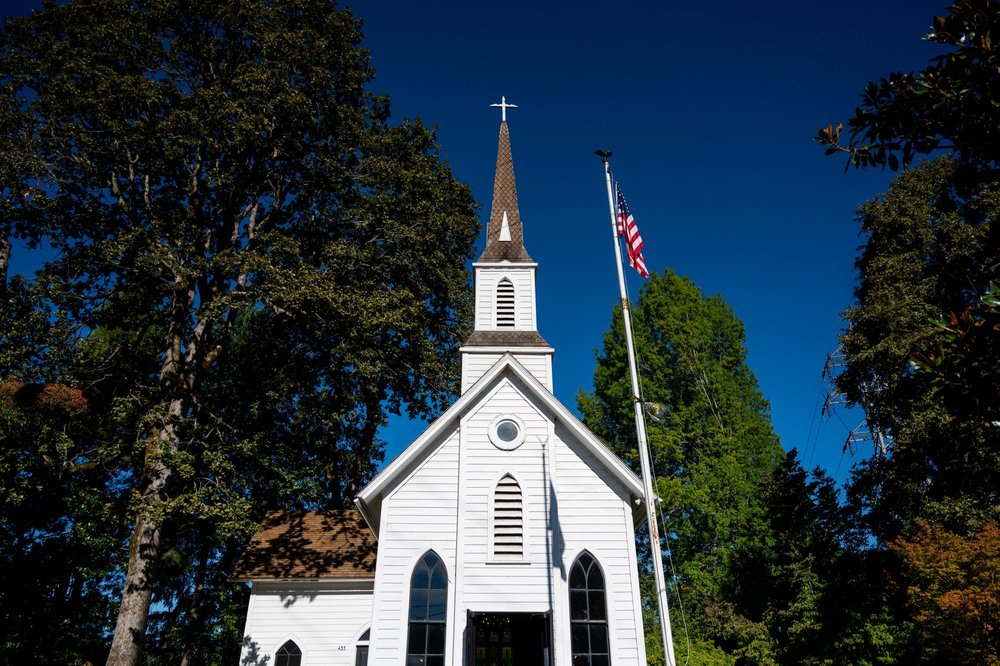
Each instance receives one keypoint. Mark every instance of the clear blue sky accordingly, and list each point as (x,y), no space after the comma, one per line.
(710,109)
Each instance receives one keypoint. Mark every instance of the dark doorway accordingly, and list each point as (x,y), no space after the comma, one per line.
(508,639)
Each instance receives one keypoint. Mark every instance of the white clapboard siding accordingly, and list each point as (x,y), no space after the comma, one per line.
(420,515)
(476,363)
(594,516)
(492,581)
(324,620)
(463,498)
(523,281)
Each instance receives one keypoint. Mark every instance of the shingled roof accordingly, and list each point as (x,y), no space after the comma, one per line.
(506,339)
(309,544)
(504,204)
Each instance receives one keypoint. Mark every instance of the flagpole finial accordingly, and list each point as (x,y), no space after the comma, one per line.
(503,106)
(605,155)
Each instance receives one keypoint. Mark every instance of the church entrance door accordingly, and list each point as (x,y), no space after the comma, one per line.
(508,639)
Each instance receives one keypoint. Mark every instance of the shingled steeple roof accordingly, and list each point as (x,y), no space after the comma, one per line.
(504,236)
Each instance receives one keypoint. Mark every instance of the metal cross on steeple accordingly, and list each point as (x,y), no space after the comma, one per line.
(503,106)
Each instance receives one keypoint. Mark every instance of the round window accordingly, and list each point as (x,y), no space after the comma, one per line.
(507,432)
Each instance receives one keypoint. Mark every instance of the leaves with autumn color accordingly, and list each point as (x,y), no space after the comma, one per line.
(953,592)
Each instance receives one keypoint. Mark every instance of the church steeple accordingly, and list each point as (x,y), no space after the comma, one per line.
(504,234)
(505,285)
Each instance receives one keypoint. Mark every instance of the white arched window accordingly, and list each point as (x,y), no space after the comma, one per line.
(361,648)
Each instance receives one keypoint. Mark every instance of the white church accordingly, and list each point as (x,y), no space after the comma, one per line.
(502,536)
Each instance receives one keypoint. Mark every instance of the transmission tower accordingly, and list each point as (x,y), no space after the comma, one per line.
(869,430)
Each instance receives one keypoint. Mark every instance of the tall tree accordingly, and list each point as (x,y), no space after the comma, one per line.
(921,354)
(225,196)
(931,249)
(951,105)
(712,444)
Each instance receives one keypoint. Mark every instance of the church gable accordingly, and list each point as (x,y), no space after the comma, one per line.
(504,437)
(422,508)
(522,386)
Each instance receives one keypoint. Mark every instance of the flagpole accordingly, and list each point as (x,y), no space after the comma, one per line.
(640,428)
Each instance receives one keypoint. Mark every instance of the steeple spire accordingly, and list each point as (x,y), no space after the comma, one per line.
(505,285)
(504,237)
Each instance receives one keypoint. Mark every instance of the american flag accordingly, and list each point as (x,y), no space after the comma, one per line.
(633,241)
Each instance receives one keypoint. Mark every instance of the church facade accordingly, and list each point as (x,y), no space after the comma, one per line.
(502,536)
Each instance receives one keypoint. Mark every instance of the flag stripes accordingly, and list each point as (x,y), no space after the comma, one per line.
(628,229)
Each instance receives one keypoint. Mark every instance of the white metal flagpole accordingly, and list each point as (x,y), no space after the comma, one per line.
(640,428)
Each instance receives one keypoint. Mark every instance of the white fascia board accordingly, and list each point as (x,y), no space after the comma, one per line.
(504,264)
(612,462)
(392,472)
(413,452)
(506,350)
(362,585)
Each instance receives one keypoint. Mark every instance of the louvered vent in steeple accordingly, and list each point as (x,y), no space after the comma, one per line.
(505,304)
(508,520)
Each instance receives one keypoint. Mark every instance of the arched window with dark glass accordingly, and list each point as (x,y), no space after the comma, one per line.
(588,613)
(428,608)
(361,648)
(288,654)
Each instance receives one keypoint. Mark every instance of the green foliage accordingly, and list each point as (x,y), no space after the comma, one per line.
(57,536)
(770,566)
(921,348)
(256,264)
(712,446)
(930,249)
(964,368)
(951,105)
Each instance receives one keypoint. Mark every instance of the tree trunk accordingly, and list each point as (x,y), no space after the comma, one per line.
(4,264)
(194,623)
(130,632)
(144,552)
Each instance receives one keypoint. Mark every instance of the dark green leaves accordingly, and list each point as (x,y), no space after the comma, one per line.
(950,105)
(257,264)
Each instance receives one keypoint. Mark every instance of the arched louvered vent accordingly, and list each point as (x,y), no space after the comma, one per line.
(508,520)
(505,304)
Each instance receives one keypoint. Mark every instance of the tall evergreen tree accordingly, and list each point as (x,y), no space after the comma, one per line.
(712,445)
(931,249)
(239,229)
